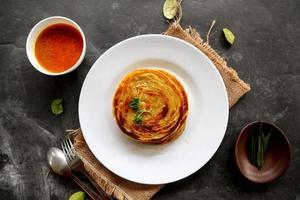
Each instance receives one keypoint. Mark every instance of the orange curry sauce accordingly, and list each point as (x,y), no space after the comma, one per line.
(58,47)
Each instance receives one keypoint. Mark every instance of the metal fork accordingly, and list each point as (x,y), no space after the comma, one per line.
(77,165)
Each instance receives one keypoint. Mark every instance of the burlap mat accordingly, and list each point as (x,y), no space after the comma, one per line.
(122,189)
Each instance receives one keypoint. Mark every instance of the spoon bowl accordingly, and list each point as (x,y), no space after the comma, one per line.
(58,162)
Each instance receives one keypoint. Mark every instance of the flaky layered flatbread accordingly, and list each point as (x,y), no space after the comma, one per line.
(150,106)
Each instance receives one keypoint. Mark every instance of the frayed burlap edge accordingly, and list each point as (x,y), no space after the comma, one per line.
(235,87)
(122,189)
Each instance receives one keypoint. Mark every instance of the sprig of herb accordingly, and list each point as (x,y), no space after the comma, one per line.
(134,103)
(138,117)
(259,143)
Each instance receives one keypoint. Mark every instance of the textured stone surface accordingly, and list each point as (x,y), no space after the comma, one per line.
(266,54)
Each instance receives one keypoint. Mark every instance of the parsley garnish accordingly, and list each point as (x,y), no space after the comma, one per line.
(138,117)
(134,103)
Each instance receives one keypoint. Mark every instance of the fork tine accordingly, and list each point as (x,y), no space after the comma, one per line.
(66,150)
(70,142)
(72,147)
(71,153)
(63,147)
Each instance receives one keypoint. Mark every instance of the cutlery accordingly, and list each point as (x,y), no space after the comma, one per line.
(58,163)
(77,165)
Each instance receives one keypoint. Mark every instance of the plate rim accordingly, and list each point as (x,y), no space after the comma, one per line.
(178,40)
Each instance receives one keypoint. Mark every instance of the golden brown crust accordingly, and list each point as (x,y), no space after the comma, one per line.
(163,99)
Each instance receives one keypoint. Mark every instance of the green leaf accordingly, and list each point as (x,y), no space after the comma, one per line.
(259,153)
(259,143)
(229,35)
(57,107)
(134,103)
(266,141)
(170,9)
(138,117)
(77,196)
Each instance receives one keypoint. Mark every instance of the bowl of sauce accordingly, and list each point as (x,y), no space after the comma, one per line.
(56,46)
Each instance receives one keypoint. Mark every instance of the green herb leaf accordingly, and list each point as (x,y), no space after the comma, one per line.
(266,141)
(229,35)
(138,117)
(77,196)
(57,107)
(134,103)
(260,157)
(259,143)
(170,9)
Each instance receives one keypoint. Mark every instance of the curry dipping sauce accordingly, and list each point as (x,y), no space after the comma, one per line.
(58,47)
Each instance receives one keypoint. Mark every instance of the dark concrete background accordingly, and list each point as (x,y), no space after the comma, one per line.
(266,54)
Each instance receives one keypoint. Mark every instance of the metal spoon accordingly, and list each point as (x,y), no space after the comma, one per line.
(58,163)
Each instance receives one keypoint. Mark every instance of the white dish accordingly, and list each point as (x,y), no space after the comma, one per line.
(33,35)
(206,122)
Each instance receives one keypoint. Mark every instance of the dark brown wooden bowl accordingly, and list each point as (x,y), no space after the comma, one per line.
(277,159)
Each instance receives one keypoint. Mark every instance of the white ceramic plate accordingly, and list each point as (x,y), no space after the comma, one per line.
(206,122)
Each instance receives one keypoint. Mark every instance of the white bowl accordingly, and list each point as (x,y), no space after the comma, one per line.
(34,33)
